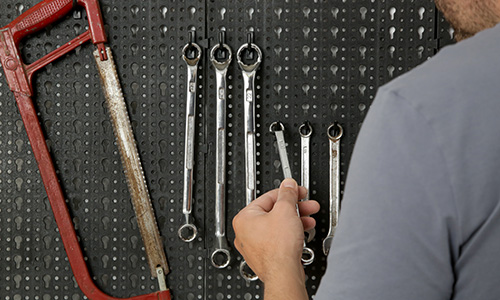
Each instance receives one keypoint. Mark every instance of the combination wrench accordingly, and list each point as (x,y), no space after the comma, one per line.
(191,53)
(334,132)
(305,131)
(249,58)
(220,56)
(278,128)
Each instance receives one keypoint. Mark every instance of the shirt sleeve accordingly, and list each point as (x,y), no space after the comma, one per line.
(397,214)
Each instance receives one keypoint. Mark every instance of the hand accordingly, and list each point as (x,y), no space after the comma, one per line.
(270,235)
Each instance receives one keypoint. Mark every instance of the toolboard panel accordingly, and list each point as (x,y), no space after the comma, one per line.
(323,61)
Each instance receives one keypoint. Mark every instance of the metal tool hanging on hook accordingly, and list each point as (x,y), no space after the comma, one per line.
(19,77)
(191,53)
(278,129)
(249,58)
(220,56)
(305,131)
(335,132)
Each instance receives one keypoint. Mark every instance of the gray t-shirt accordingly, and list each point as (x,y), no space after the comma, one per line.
(420,217)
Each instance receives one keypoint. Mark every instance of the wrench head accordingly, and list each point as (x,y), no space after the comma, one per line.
(220,258)
(327,243)
(187,232)
(247,273)
(309,235)
(307,256)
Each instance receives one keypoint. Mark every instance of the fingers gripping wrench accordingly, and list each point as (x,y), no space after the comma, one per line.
(248,70)
(220,56)
(278,128)
(191,55)
(335,132)
(19,77)
(306,131)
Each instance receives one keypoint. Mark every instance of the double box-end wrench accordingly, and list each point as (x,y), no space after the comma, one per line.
(249,58)
(305,131)
(334,132)
(19,77)
(278,128)
(191,53)
(220,56)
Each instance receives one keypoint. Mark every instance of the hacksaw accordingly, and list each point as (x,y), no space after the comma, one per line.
(19,77)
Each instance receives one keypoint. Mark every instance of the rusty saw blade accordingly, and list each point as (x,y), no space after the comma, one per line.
(132,167)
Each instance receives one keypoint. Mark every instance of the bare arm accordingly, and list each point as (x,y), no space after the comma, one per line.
(270,236)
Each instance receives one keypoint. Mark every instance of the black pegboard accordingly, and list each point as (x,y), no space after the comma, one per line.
(323,62)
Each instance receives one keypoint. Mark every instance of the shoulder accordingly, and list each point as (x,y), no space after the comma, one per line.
(456,74)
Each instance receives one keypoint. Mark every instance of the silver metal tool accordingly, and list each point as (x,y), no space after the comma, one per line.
(220,56)
(249,58)
(306,131)
(191,53)
(278,128)
(133,169)
(335,132)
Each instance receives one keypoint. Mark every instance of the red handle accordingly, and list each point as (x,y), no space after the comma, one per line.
(38,17)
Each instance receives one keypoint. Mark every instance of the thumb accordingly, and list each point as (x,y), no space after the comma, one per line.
(288,192)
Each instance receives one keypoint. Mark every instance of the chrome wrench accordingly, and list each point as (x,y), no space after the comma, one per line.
(191,53)
(220,56)
(278,128)
(306,131)
(248,70)
(334,137)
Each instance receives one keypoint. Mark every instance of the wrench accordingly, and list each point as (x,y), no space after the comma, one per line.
(191,53)
(278,128)
(220,56)
(334,182)
(306,131)
(248,70)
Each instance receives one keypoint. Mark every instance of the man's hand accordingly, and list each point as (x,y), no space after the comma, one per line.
(270,236)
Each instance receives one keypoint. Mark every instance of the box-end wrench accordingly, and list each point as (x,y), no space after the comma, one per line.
(249,58)
(278,128)
(334,132)
(221,57)
(191,53)
(306,131)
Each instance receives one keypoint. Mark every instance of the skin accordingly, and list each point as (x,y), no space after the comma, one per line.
(468,17)
(269,234)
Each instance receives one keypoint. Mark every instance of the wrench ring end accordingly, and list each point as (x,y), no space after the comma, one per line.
(190,229)
(307,256)
(247,275)
(305,129)
(226,258)
(335,137)
(274,125)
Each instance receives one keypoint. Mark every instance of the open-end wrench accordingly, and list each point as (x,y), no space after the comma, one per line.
(220,56)
(249,58)
(191,53)
(335,132)
(278,128)
(306,131)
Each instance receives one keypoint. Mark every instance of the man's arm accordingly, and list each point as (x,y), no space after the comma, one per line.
(270,236)
(398,217)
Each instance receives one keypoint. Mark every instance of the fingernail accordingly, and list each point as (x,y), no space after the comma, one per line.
(290,183)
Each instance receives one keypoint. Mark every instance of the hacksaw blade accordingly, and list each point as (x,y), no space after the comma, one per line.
(131,163)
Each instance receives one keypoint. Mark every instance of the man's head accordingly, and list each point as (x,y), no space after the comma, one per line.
(468,17)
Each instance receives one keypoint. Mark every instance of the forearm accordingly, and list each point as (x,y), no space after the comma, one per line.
(287,285)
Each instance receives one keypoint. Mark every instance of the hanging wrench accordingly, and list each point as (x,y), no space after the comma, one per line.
(305,131)
(191,53)
(278,128)
(334,182)
(249,62)
(220,56)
